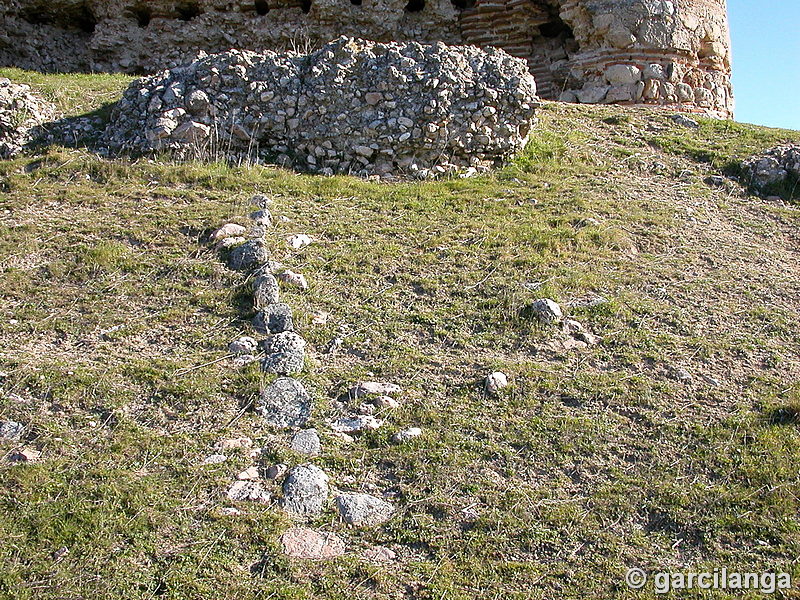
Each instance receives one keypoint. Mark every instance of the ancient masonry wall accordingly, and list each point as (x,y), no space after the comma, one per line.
(666,52)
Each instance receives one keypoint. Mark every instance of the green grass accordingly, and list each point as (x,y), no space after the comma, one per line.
(725,144)
(114,310)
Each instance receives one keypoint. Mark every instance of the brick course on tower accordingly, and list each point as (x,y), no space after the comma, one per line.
(673,53)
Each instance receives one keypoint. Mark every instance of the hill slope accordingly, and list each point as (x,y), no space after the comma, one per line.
(673,444)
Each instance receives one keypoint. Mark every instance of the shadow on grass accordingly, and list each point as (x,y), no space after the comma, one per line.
(79,131)
(788,414)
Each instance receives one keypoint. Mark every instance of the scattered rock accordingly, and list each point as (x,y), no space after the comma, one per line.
(299,241)
(240,443)
(320,318)
(407,435)
(243,345)
(363,510)
(301,542)
(715,180)
(380,554)
(384,402)
(374,403)
(229,230)
(274,318)
(306,442)
(215,459)
(285,403)
(547,311)
(356,424)
(684,121)
(567,345)
(305,490)
(11,430)
(293,279)
(374,388)
(347,439)
(682,375)
(249,474)
(495,382)
(285,353)
(574,329)
(248,491)
(249,255)
(265,291)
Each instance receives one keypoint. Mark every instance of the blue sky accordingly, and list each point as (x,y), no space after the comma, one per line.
(766,61)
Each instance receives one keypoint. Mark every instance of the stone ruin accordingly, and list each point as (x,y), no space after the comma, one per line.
(21,113)
(353,107)
(773,168)
(662,52)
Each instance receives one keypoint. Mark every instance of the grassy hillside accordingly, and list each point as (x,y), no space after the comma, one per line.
(114,312)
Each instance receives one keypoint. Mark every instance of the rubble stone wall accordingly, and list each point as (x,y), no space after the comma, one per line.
(352,106)
(666,52)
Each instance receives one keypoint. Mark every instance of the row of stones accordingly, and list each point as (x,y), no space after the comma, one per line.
(286,404)
(621,83)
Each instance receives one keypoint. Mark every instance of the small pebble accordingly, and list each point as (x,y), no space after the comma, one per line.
(230,242)
(293,279)
(229,230)
(243,345)
(299,241)
(26,455)
(306,442)
(407,434)
(380,554)
(495,382)
(11,430)
(374,388)
(249,474)
(262,217)
(320,318)
(547,310)
(276,471)
(356,424)
(248,490)
(236,443)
